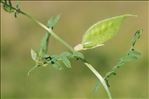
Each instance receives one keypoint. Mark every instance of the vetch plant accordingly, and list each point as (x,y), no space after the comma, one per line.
(94,37)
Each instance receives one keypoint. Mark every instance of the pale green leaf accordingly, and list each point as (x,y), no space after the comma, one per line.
(66,61)
(66,54)
(57,66)
(44,43)
(53,20)
(55,62)
(64,58)
(8,9)
(102,31)
(78,55)
(7,6)
(136,36)
(33,55)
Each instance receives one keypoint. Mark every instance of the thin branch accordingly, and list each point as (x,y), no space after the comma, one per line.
(42,26)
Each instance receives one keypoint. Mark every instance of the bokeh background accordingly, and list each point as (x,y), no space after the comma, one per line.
(19,35)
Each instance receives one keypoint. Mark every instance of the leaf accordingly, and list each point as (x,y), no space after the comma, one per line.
(8,9)
(44,45)
(57,66)
(136,36)
(66,61)
(136,53)
(55,63)
(78,55)
(53,20)
(34,55)
(131,55)
(66,54)
(7,6)
(102,31)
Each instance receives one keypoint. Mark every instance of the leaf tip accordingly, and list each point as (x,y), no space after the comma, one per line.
(131,15)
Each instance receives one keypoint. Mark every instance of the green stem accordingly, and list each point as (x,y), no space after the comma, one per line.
(50,31)
(100,78)
(44,27)
(32,69)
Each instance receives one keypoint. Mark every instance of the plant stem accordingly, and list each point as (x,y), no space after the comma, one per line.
(100,78)
(51,32)
(42,26)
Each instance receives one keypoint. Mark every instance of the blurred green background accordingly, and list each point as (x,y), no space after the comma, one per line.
(19,35)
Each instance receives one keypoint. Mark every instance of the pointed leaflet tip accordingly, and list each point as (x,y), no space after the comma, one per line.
(78,55)
(52,21)
(130,15)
